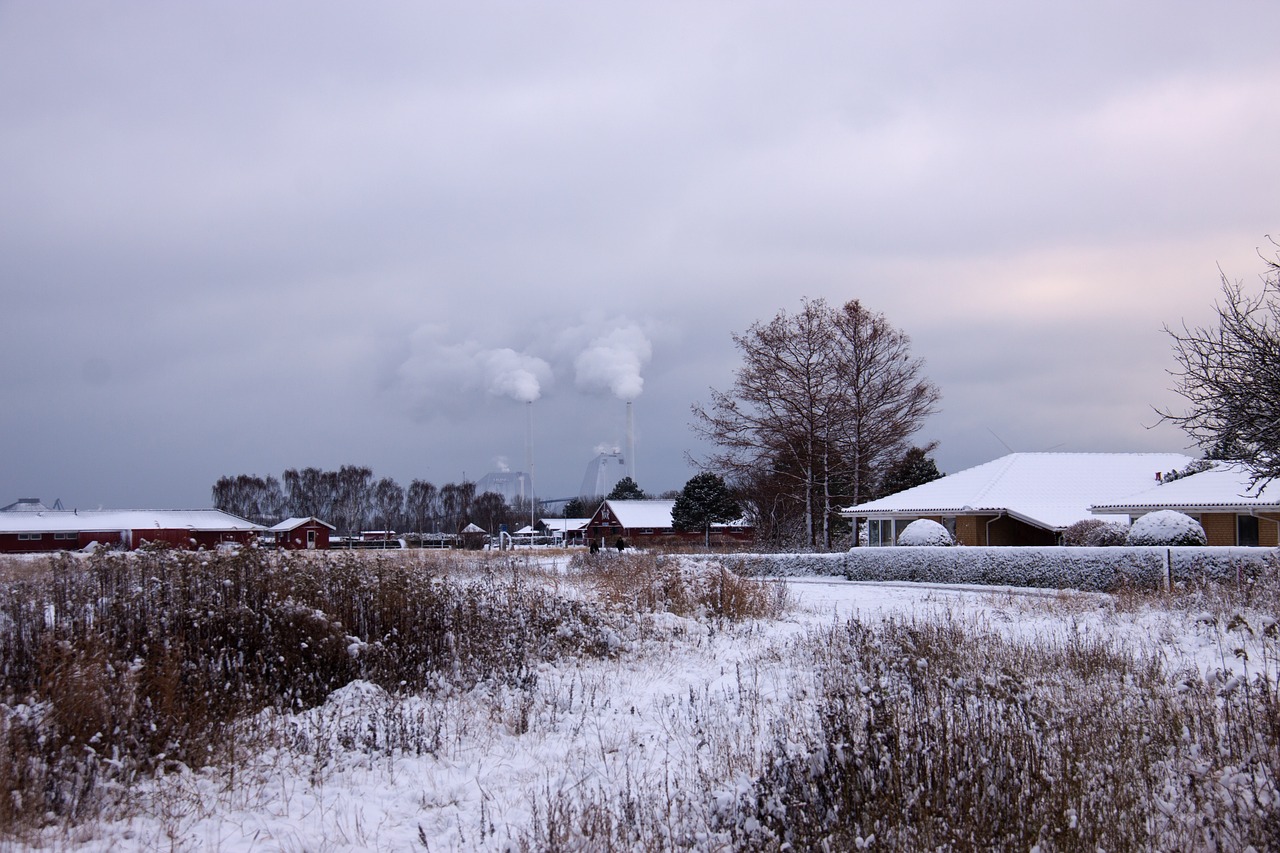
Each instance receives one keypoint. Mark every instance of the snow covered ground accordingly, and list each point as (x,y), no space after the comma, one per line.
(685,708)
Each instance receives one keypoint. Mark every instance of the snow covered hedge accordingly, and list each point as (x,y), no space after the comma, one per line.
(1094,569)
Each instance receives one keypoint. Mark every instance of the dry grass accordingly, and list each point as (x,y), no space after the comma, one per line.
(650,583)
(122,665)
(935,735)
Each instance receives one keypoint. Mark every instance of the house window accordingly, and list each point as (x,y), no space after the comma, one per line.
(30,537)
(1247,530)
(66,536)
(880,531)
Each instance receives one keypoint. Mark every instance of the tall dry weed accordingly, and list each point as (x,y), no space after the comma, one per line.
(650,583)
(124,664)
(935,735)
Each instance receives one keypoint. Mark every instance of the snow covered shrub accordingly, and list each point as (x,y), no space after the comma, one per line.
(1166,527)
(925,532)
(1095,533)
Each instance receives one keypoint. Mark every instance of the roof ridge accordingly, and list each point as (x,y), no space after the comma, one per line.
(1000,475)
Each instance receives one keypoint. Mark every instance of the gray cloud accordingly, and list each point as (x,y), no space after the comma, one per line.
(241,238)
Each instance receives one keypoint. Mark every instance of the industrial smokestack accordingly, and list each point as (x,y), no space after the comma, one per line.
(528,459)
(631,444)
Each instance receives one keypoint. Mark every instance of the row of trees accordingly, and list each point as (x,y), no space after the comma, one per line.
(821,411)
(352,500)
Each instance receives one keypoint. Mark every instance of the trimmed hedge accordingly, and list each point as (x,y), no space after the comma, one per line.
(1089,569)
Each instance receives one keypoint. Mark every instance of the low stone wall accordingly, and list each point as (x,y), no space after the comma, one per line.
(1092,569)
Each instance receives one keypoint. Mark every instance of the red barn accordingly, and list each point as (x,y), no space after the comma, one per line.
(308,534)
(643,523)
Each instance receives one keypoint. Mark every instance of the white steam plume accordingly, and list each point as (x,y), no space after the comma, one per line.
(514,374)
(614,361)
(437,367)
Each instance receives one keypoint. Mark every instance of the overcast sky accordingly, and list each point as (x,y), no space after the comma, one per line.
(245,237)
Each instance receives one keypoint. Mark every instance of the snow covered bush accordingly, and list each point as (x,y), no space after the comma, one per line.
(1095,533)
(1166,527)
(923,532)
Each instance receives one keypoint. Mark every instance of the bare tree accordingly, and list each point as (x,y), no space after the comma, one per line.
(421,505)
(455,504)
(1230,377)
(310,492)
(490,511)
(258,499)
(824,401)
(388,501)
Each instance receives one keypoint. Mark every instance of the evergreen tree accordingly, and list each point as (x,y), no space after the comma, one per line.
(915,468)
(705,500)
(627,490)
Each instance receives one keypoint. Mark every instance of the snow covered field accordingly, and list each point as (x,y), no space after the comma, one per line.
(667,735)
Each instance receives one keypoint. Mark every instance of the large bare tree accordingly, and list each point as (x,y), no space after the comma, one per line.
(1230,377)
(825,399)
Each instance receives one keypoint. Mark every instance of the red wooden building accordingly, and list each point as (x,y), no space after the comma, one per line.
(309,534)
(68,530)
(643,523)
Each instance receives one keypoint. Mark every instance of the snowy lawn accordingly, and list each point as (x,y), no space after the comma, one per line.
(687,732)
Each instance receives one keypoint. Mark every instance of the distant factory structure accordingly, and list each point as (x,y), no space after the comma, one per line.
(603,473)
(514,486)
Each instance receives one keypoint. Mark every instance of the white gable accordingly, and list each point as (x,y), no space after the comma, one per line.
(294,523)
(642,514)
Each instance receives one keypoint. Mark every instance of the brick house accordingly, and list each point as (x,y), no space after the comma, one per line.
(1230,509)
(1019,499)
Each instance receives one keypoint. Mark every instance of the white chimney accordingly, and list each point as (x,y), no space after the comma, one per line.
(631,444)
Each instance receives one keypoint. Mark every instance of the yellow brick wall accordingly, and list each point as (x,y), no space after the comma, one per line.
(1269,531)
(970,530)
(1220,527)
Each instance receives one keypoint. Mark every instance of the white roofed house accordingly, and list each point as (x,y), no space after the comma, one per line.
(65,530)
(1223,498)
(1019,499)
(643,523)
(566,531)
(303,533)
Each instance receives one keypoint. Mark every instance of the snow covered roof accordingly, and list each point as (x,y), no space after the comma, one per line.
(1225,486)
(633,514)
(294,523)
(565,525)
(60,521)
(1049,490)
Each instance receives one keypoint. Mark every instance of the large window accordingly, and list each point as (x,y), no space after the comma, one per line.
(1247,530)
(884,531)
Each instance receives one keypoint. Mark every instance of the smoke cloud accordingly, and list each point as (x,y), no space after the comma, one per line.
(614,361)
(514,374)
(437,367)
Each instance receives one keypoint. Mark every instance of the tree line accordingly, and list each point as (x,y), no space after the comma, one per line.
(352,500)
